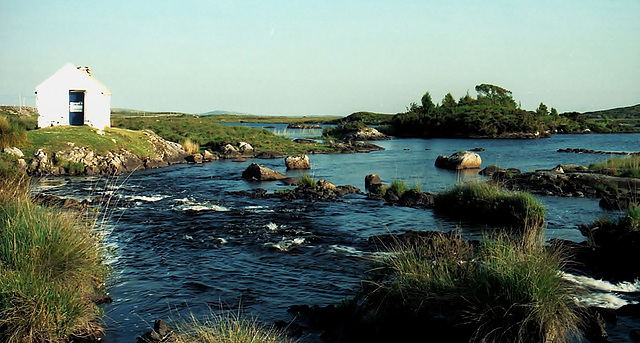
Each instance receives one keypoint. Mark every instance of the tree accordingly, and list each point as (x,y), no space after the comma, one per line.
(449,103)
(466,100)
(495,95)
(542,110)
(554,112)
(427,103)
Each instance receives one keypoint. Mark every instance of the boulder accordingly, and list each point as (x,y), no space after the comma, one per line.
(245,148)
(229,149)
(195,158)
(269,155)
(207,156)
(257,172)
(14,152)
(297,162)
(326,185)
(372,181)
(415,198)
(366,134)
(459,160)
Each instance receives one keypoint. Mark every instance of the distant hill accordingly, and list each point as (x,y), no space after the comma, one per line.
(222,112)
(630,112)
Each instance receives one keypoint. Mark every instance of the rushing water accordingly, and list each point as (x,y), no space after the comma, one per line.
(182,244)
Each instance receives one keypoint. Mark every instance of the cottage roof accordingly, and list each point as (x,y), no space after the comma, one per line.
(74,77)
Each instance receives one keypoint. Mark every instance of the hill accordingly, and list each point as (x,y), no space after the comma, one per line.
(629,112)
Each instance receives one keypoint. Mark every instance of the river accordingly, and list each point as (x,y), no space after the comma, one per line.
(180,243)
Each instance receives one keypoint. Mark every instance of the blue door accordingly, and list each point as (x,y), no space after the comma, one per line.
(76,108)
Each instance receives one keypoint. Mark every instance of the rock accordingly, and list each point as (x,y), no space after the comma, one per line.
(477,149)
(558,169)
(269,155)
(160,333)
(239,159)
(635,335)
(290,181)
(459,160)
(497,172)
(229,149)
(366,134)
(170,152)
(207,156)
(326,185)
(245,148)
(414,198)
(21,164)
(14,152)
(297,162)
(195,158)
(372,180)
(257,172)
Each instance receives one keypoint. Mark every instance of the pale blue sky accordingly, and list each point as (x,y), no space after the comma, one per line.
(326,57)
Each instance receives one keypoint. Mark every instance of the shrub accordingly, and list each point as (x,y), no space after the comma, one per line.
(50,268)
(228,329)
(621,166)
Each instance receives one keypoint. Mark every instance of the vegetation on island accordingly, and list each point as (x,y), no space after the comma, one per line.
(51,268)
(494,114)
(619,166)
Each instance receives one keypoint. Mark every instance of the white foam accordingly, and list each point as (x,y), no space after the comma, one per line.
(603,293)
(602,285)
(272,226)
(148,198)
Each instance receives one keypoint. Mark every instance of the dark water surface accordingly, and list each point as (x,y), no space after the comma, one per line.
(183,244)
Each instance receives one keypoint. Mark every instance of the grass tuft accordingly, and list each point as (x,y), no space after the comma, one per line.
(307,181)
(227,328)
(50,269)
(190,146)
(619,166)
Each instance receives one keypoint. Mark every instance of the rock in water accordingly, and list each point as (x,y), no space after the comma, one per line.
(459,160)
(257,172)
(297,162)
(372,181)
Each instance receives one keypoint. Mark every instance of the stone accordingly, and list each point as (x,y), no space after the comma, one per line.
(269,155)
(208,156)
(195,158)
(229,149)
(297,162)
(372,180)
(245,148)
(415,198)
(21,164)
(326,185)
(366,134)
(14,152)
(258,172)
(459,160)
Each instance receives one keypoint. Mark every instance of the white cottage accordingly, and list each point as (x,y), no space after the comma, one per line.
(72,96)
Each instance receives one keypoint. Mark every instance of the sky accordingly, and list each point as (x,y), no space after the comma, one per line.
(326,57)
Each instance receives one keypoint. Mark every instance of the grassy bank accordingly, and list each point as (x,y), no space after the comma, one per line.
(55,138)
(209,133)
(619,166)
(50,269)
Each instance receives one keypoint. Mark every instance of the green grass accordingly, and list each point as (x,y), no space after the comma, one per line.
(619,166)
(227,328)
(50,268)
(307,181)
(11,132)
(508,291)
(483,202)
(208,132)
(55,138)
(398,187)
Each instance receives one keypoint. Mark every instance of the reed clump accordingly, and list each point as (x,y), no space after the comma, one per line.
(190,146)
(307,181)
(227,328)
(619,166)
(507,290)
(484,202)
(50,269)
